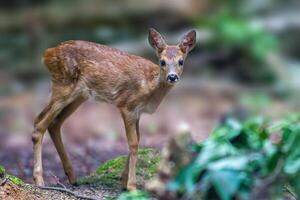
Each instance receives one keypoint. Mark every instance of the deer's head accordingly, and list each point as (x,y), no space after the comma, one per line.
(171,57)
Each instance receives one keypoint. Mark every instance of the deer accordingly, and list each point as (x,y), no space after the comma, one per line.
(82,70)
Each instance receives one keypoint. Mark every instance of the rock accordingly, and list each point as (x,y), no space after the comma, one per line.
(109,174)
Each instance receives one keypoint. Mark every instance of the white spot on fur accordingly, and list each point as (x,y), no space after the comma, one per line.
(114,92)
(143,83)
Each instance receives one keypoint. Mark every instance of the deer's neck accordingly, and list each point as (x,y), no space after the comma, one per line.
(162,88)
(159,90)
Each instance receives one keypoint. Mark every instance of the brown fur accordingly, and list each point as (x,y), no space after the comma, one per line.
(81,70)
(107,73)
(172,52)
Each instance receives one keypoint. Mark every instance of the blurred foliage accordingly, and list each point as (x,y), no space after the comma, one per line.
(240,161)
(134,195)
(235,31)
(245,44)
(253,159)
(255,102)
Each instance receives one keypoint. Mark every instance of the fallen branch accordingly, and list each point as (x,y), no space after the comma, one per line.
(66,191)
(289,191)
(57,180)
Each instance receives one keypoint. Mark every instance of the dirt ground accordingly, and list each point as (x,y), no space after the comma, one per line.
(95,132)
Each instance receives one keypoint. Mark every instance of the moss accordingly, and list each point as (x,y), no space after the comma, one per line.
(15,180)
(12,178)
(109,173)
(148,162)
(2,170)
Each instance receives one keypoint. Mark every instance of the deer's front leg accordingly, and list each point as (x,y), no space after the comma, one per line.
(132,134)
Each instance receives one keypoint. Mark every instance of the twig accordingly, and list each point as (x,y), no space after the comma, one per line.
(262,188)
(290,192)
(62,185)
(57,180)
(67,191)
(4,181)
(92,189)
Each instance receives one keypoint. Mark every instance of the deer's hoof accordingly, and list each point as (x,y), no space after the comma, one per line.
(131,187)
(39,181)
(75,183)
(72,180)
(128,187)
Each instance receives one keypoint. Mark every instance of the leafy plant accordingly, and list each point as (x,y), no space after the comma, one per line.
(240,43)
(232,31)
(241,161)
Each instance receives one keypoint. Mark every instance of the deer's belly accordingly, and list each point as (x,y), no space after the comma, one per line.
(99,96)
(120,99)
(150,108)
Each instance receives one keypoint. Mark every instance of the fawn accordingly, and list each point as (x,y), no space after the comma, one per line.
(81,70)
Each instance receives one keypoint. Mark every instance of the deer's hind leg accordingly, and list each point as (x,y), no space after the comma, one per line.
(41,123)
(55,134)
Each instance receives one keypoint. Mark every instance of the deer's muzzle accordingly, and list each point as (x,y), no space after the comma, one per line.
(172,78)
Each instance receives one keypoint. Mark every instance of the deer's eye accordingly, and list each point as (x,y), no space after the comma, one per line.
(180,62)
(162,63)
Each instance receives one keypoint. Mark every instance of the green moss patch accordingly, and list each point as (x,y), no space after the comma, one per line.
(12,178)
(109,174)
(15,180)
(2,171)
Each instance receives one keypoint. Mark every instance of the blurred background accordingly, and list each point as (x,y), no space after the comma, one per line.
(246,62)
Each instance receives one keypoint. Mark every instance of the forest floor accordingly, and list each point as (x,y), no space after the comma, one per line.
(95,133)
(9,191)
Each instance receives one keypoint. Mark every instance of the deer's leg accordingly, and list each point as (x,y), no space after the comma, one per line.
(61,97)
(129,174)
(125,172)
(41,124)
(55,134)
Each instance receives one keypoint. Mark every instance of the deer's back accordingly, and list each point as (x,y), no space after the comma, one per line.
(72,59)
(106,73)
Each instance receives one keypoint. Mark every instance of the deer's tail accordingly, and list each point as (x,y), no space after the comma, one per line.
(60,67)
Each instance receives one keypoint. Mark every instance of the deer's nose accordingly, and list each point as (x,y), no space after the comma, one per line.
(172,78)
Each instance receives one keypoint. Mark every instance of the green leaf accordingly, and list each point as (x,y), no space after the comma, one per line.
(230,163)
(238,156)
(291,138)
(226,182)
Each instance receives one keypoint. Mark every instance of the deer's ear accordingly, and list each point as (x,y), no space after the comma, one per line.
(188,42)
(156,40)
